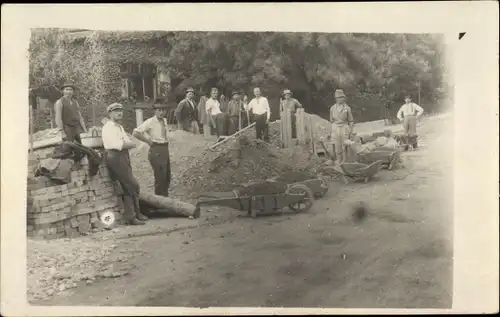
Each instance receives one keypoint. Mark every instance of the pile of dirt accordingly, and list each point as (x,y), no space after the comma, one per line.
(46,134)
(242,161)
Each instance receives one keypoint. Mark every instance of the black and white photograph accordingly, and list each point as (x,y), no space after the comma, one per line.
(240,168)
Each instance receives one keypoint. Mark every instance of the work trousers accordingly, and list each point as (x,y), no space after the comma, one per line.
(159,158)
(190,126)
(410,125)
(72,133)
(261,127)
(340,133)
(233,125)
(220,124)
(293,118)
(120,170)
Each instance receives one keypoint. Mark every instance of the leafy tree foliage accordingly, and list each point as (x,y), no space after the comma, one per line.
(373,69)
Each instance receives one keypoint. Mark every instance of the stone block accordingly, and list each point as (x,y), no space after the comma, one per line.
(84,227)
(83,218)
(74,222)
(97,224)
(71,233)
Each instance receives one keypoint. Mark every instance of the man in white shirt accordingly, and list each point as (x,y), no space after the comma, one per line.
(116,144)
(259,106)
(409,114)
(153,131)
(215,116)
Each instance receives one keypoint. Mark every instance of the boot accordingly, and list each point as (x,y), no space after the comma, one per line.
(135,222)
(141,217)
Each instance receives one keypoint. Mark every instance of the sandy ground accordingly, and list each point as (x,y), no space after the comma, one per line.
(399,257)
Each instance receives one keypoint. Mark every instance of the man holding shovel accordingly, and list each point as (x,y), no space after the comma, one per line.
(342,125)
(235,112)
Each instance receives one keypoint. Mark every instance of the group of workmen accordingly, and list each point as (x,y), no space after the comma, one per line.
(154,132)
(216,116)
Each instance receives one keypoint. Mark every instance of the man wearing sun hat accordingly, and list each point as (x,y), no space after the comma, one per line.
(292,104)
(116,145)
(235,112)
(342,124)
(153,131)
(187,114)
(68,116)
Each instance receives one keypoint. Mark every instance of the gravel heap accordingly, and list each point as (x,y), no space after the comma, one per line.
(242,161)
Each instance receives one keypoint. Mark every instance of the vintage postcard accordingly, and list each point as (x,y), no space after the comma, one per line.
(275,158)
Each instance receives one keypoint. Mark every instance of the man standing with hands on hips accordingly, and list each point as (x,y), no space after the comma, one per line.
(116,144)
(261,114)
(153,131)
(409,114)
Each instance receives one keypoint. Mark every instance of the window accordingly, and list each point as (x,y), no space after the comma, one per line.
(138,81)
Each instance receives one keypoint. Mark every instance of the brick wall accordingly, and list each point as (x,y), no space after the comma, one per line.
(72,209)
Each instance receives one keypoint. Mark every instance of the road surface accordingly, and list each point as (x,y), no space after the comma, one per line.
(399,257)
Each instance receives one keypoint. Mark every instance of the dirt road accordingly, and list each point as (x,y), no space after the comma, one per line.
(399,257)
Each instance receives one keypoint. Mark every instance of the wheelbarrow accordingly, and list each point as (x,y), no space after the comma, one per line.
(318,185)
(297,197)
(358,171)
(407,142)
(389,157)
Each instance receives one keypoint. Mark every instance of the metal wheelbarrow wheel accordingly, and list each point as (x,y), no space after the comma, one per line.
(305,204)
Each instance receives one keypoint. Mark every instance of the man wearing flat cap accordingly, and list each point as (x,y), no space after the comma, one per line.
(187,114)
(117,144)
(342,124)
(153,131)
(235,112)
(68,116)
(292,104)
(408,114)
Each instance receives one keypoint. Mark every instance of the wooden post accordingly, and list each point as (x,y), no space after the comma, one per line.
(139,116)
(286,128)
(300,126)
(31,127)
(311,135)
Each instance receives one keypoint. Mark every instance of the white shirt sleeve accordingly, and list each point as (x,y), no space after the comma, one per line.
(250,104)
(144,127)
(419,110)
(400,112)
(208,106)
(112,137)
(268,109)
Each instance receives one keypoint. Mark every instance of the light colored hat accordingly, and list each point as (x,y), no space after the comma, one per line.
(114,106)
(287,91)
(339,93)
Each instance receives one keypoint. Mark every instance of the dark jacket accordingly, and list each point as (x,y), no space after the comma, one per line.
(186,112)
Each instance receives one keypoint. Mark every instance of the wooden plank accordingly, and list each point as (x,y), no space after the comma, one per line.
(231,136)
(287,128)
(300,126)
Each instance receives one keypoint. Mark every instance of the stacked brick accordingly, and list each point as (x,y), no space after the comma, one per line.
(72,209)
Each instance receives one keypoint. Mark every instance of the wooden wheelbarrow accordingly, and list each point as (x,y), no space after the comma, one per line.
(318,185)
(389,157)
(297,197)
(358,171)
